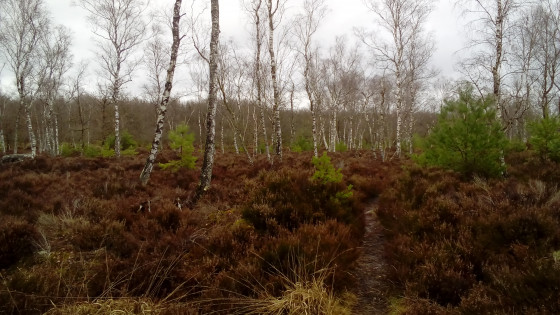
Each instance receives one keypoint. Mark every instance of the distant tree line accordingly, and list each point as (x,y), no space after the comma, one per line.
(283,90)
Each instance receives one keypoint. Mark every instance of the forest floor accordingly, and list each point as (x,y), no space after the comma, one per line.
(259,233)
(371,267)
(83,236)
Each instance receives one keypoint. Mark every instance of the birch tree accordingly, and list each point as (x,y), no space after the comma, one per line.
(156,59)
(3,100)
(492,22)
(339,71)
(55,62)
(162,109)
(231,80)
(544,28)
(306,26)
(275,10)
(255,10)
(403,22)
(22,26)
(83,111)
(2,110)
(119,28)
(210,146)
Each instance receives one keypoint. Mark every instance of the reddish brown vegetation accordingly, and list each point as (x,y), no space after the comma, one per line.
(475,246)
(76,229)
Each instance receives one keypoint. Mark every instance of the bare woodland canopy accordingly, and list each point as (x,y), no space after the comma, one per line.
(284,90)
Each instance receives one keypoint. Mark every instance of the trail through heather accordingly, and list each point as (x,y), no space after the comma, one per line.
(372,286)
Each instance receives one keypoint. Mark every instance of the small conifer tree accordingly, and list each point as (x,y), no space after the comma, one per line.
(181,139)
(545,137)
(325,172)
(467,137)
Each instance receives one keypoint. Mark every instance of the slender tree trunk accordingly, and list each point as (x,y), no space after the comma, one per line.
(117,130)
(162,109)
(292,127)
(235,146)
(2,141)
(16,129)
(43,131)
(208,163)
(314,132)
(350,135)
(222,139)
(312,105)
(255,132)
(32,139)
(333,132)
(399,107)
(381,135)
(273,74)
(115,100)
(200,130)
(56,136)
(324,135)
(410,133)
(496,75)
(259,87)
(50,126)
(265,137)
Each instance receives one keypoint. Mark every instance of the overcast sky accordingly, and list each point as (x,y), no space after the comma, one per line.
(342,18)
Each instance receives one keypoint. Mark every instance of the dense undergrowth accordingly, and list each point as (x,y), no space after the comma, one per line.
(461,245)
(82,236)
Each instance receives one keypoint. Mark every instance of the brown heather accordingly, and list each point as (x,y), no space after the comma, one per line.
(82,236)
(472,246)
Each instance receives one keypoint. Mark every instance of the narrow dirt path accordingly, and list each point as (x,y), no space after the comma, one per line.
(371,287)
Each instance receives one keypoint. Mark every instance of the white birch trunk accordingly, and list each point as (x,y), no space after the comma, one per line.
(162,109)
(399,106)
(350,135)
(32,139)
(314,131)
(117,130)
(2,141)
(255,133)
(333,132)
(208,162)
(324,136)
(498,62)
(263,127)
(273,74)
(222,138)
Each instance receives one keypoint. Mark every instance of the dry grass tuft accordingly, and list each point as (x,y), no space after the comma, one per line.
(121,306)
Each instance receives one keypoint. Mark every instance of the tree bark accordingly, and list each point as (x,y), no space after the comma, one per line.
(32,139)
(115,101)
(162,109)
(333,131)
(496,74)
(16,128)
(210,146)
(312,105)
(2,142)
(273,73)
(258,79)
